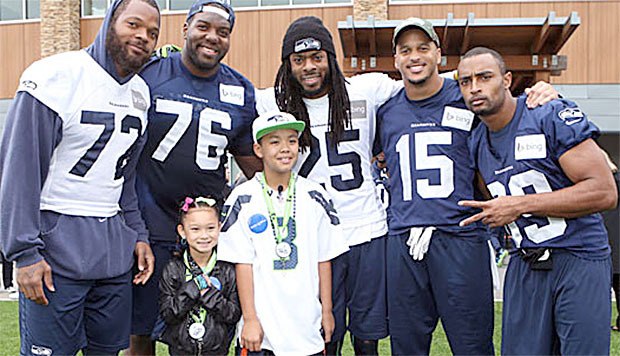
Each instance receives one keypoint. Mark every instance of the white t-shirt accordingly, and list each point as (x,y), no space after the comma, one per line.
(101,120)
(345,171)
(286,293)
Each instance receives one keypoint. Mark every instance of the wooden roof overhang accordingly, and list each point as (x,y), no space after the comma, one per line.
(529,46)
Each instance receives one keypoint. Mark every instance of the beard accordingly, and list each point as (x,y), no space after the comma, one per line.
(492,107)
(420,81)
(491,110)
(315,92)
(311,93)
(196,61)
(120,53)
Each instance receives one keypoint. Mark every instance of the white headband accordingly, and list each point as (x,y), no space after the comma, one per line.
(216,10)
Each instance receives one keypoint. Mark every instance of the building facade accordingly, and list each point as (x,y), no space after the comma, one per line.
(592,77)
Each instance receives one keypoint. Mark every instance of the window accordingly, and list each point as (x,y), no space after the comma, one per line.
(98,7)
(258,3)
(178,5)
(19,9)
(426,2)
(94,7)
(32,9)
(11,9)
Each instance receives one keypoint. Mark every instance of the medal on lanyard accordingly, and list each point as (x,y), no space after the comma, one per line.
(197,329)
(283,248)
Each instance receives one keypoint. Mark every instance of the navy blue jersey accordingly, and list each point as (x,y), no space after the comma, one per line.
(425,145)
(523,158)
(193,121)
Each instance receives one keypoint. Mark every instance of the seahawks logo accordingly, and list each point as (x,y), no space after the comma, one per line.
(571,115)
(40,350)
(277,118)
(29,84)
(307,44)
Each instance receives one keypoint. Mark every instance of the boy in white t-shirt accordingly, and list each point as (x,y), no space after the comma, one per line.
(281,231)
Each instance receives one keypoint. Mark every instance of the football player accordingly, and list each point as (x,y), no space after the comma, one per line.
(337,152)
(69,210)
(201,108)
(548,178)
(435,268)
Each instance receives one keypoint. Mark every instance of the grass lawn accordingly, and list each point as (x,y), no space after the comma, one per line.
(9,335)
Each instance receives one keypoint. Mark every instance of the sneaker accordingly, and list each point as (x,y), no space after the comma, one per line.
(14,296)
(10,289)
(500,259)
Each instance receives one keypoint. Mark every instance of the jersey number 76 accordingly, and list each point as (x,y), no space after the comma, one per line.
(206,137)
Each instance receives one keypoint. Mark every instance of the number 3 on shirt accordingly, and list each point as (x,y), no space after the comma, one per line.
(422,140)
(206,137)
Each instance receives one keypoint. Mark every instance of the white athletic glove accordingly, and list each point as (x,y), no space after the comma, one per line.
(419,240)
(494,269)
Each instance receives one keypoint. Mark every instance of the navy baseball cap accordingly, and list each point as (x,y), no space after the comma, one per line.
(207,6)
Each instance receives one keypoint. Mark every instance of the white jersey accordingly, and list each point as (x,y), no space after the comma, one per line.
(345,171)
(286,292)
(101,121)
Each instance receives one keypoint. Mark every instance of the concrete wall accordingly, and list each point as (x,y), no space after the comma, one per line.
(601,102)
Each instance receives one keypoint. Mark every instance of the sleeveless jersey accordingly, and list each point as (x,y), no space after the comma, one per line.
(523,158)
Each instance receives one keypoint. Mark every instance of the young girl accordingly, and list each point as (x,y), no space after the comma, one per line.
(198,294)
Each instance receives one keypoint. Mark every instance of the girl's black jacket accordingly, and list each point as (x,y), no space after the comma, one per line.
(178,297)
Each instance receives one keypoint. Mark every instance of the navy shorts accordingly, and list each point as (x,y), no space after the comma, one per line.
(82,314)
(146,297)
(562,311)
(453,282)
(359,285)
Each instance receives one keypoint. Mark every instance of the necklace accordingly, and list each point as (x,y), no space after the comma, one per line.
(199,314)
(283,248)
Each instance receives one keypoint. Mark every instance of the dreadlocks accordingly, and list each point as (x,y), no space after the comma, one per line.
(289,97)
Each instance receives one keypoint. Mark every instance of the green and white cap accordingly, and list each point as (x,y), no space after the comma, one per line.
(273,121)
(422,24)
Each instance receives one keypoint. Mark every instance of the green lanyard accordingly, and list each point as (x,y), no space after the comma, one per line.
(287,208)
(189,276)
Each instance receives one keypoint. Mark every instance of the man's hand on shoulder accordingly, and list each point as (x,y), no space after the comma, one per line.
(30,281)
(165,50)
(146,262)
(540,94)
